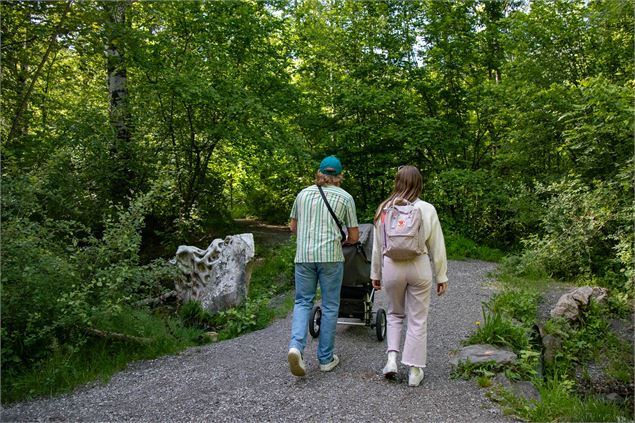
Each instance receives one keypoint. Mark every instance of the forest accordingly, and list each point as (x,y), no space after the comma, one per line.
(131,127)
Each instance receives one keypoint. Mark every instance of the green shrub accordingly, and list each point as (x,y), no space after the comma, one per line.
(520,304)
(497,329)
(460,248)
(126,336)
(481,206)
(559,403)
(584,232)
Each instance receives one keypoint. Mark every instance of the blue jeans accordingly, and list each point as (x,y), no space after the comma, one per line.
(307,276)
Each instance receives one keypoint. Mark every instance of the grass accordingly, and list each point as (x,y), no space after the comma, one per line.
(460,248)
(518,299)
(98,358)
(497,329)
(558,403)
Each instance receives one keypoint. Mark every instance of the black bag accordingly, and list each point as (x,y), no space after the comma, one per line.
(357,258)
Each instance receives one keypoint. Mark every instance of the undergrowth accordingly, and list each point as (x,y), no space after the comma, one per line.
(126,335)
(508,318)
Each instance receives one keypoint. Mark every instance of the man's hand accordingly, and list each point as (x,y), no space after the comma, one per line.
(353,236)
(376,284)
(441,288)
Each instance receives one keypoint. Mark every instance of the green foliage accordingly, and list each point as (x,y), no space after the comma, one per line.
(559,403)
(486,370)
(580,230)
(519,304)
(68,366)
(56,278)
(582,342)
(497,329)
(481,206)
(460,248)
(192,314)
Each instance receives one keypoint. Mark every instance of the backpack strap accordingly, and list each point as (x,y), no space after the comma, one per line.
(328,206)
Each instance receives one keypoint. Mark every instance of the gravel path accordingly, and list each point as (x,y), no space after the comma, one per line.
(247,379)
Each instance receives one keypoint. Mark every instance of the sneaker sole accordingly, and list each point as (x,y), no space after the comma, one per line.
(294,365)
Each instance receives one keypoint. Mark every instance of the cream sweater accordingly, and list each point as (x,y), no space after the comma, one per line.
(430,231)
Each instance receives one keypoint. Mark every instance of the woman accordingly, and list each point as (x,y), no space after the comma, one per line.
(408,282)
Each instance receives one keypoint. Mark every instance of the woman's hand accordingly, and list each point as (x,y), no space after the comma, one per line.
(376,284)
(441,288)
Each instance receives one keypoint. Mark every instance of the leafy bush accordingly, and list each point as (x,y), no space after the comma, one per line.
(57,276)
(583,233)
(68,365)
(559,403)
(481,206)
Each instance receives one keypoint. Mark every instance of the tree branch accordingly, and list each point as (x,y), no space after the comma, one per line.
(21,107)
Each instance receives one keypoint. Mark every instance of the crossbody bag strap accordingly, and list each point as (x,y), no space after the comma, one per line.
(328,206)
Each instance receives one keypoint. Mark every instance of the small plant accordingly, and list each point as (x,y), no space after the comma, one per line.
(193,314)
(467,369)
(499,330)
(484,381)
(520,304)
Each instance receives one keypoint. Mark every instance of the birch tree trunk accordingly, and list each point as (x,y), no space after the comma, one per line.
(121,150)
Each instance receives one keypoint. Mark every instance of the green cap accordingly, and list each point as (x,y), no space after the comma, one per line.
(331,166)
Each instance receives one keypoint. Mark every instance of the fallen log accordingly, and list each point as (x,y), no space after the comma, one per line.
(118,336)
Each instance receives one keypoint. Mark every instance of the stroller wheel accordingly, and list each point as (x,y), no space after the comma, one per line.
(380,324)
(316,319)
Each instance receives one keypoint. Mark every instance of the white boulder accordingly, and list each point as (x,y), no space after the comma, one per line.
(219,276)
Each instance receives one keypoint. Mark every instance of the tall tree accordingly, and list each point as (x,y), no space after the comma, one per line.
(122,151)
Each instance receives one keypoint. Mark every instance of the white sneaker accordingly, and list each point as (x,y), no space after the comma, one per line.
(296,364)
(330,366)
(390,369)
(415,376)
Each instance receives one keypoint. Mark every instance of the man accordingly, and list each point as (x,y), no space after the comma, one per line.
(319,258)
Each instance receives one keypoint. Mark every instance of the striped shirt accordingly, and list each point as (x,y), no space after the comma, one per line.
(318,237)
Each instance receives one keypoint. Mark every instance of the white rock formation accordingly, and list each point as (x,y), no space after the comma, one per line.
(217,277)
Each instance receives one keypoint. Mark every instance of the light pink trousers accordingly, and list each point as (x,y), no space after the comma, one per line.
(407,285)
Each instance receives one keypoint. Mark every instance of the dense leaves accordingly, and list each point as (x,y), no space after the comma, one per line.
(132,127)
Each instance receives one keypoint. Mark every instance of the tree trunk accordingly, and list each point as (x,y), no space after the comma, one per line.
(121,149)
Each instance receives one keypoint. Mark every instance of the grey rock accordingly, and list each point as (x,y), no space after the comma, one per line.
(571,304)
(482,353)
(502,380)
(551,345)
(526,390)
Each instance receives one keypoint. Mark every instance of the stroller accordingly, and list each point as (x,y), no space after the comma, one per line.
(357,295)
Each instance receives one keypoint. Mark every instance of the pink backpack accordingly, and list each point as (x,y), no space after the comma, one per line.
(401,222)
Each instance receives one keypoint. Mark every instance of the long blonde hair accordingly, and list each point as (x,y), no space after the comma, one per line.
(408,185)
